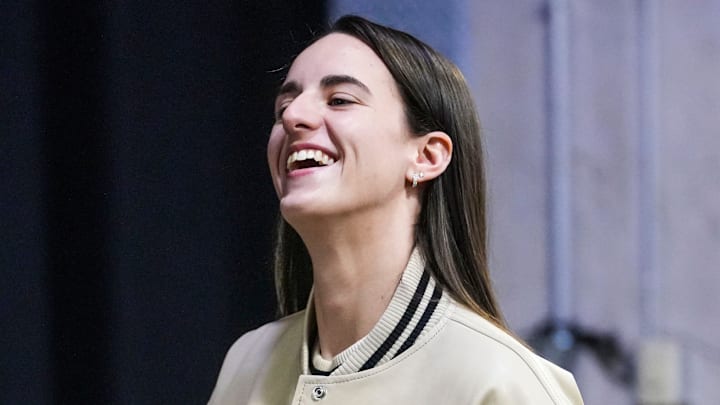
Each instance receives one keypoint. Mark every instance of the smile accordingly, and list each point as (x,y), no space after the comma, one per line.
(306,158)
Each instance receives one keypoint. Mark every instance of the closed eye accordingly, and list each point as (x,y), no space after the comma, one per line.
(279,112)
(336,101)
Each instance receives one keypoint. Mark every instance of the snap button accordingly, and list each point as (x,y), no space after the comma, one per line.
(318,392)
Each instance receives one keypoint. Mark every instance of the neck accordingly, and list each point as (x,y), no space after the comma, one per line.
(357,264)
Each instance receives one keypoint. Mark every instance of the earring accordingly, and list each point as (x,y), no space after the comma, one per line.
(415,177)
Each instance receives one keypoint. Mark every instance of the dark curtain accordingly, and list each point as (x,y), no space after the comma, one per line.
(137,211)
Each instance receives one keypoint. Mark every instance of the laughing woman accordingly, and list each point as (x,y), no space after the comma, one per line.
(381,260)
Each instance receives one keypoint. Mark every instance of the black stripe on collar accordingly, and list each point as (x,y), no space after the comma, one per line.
(402,325)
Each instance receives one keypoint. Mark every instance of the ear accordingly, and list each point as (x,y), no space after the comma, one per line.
(434,152)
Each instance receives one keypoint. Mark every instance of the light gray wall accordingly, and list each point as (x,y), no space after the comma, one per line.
(643,111)
(689,187)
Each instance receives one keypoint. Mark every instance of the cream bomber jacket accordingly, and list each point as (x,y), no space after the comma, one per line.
(436,352)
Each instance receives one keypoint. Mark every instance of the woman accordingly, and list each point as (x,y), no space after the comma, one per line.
(377,160)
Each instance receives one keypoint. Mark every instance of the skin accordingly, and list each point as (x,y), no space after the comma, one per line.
(357,215)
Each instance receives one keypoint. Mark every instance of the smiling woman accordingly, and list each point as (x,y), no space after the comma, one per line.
(380,263)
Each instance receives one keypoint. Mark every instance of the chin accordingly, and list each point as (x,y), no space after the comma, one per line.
(310,211)
(293,209)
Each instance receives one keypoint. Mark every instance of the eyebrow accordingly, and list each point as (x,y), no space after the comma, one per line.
(334,80)
(292,87)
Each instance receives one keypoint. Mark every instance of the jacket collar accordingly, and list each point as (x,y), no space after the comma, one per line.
(415,308)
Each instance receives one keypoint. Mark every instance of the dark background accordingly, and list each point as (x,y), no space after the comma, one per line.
(136,210)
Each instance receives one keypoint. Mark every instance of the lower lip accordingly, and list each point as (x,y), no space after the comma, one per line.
(305,172)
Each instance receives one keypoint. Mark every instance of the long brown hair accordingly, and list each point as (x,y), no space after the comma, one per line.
(451,231)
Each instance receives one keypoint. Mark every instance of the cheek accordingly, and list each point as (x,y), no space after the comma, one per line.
(274,146)
(274,149)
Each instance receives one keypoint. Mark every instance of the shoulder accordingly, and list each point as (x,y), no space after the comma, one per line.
(252,351)
(266,336)
(517,373)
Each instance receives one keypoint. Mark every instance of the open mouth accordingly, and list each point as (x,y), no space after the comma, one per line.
(307,158)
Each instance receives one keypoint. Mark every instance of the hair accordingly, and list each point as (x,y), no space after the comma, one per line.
(451,231)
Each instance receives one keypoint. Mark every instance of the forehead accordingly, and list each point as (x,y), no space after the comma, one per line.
(340,54)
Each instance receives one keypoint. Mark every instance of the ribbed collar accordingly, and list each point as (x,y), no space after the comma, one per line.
(415,308)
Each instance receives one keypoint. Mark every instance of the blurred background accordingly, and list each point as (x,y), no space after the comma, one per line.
(136,211)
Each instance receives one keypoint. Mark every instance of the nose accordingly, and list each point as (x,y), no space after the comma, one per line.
(301,115)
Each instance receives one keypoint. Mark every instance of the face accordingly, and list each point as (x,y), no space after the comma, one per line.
(340,143)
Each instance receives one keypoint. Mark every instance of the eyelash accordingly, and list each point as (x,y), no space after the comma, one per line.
(279,113)
(333,102)
(342,101)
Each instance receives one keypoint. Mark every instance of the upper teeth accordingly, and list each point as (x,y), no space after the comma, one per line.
(306,154)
